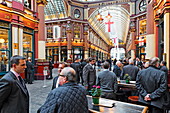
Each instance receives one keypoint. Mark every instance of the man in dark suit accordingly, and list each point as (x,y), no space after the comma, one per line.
(108,82)
(55,80)
(131,70)
(77,67)
(164,68)
(29,71)
(89,74)
(13,92)
(51,65)
(117,69)
(152,86)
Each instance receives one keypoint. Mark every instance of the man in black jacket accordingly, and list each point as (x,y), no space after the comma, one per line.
(152,86)
(117,69)
(29,71)
(68,98)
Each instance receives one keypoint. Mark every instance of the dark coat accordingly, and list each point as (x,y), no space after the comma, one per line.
(117,70)
(68,98)
(89,76)
(152,81)
(131,70)
(164,69)
(30,67)
(14,96)
(54,82)
(107,80)
(77,67)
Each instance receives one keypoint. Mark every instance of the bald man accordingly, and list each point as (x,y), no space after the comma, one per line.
(68,98)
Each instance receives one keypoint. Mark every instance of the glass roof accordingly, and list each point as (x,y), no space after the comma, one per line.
(55,9)
(120,19)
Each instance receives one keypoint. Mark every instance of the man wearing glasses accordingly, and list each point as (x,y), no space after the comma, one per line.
(68,98)
(55,80)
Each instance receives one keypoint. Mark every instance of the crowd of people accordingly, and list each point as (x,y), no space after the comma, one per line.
(74,82)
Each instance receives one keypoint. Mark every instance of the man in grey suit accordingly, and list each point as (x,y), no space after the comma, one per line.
(89,74)
(108,82)
(13,92)
(131,70)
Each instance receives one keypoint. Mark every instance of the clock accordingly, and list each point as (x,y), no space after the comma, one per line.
(77,13)
(142,5)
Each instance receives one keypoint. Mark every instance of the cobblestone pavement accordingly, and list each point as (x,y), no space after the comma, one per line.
(38,93)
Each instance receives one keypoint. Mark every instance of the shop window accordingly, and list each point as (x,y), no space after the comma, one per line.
(56,32)
(76,31)
(49,32)
(27,42)
(4,52)
(27,3)
(142,27)
(63,33)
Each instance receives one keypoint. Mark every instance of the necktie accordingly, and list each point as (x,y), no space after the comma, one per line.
(21,81)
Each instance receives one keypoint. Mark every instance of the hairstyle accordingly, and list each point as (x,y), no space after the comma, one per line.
(118,62)
(69,73)
(106,65)
(90,59)
(65,64)
(15,59)
(131,61)
(163,62)
(153,61)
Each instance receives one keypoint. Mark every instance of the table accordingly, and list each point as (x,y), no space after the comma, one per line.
(105,106)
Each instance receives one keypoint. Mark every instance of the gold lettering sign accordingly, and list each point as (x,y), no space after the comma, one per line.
(28,30)
(3,24)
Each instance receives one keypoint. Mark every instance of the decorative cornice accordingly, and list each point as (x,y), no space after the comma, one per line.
(44,2)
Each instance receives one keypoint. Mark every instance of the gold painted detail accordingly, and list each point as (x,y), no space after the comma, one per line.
(42,2)
(27,30)
(3,24)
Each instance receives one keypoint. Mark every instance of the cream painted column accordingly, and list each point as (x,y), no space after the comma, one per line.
(15,40)
(150,49)
(21,41)
(150,46)
(166,38)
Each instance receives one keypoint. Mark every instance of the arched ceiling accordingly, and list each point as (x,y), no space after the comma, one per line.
(56,9)
(121,20)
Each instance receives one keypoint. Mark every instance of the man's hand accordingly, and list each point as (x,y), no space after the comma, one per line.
(147,98)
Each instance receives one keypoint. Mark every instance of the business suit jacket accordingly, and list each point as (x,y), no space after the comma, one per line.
(131,70)
(54,82)
(152,81)
(89,76)
(14,96)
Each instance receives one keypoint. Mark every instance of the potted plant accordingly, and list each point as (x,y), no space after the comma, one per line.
(127,78)
(95,93)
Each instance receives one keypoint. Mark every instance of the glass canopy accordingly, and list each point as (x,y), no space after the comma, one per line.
(56,9)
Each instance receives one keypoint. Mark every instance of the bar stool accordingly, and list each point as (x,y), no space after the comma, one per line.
(133,99)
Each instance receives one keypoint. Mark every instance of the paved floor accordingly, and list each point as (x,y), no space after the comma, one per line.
(38,93)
